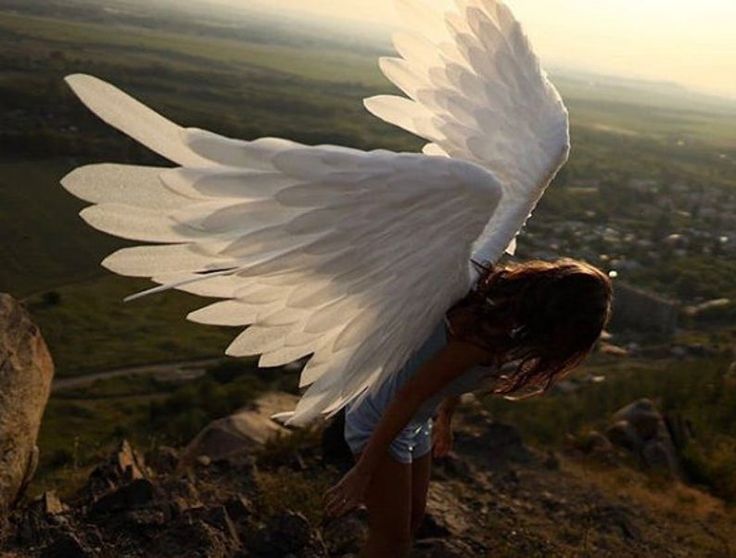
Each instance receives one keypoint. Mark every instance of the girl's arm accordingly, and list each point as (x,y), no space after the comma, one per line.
(448,407)
(442,438)
(452,361)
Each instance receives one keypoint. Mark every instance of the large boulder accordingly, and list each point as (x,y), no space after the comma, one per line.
(243,431)
(26,371)
(641,429)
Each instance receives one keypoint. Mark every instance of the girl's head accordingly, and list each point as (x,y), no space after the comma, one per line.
(547,316)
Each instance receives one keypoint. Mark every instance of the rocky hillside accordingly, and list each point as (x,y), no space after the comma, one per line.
(494,497)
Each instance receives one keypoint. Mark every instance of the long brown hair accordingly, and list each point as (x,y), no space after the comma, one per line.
(546,316)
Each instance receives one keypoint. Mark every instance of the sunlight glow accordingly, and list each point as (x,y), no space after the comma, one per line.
(672,40)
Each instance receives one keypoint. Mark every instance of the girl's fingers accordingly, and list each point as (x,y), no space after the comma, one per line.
(334,503)
(328,495)
(342,508)
(334,491)
(339,505)
(342,497)
(336,510)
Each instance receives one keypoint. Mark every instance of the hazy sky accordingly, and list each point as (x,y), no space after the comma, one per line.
(690,42)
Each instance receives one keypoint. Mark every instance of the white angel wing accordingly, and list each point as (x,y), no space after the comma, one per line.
(477,92)
(349,256)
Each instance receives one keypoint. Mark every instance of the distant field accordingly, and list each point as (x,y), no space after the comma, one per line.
(317,64)
(245,89)
(130,48)
(666,124)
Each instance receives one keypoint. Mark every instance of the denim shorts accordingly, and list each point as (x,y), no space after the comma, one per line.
(363,415)
(413,442)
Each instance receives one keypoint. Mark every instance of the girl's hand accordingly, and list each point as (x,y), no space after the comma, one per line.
(442,439)
(347,494)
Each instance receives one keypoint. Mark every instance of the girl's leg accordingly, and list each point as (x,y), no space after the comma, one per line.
(389,511)
(421,470)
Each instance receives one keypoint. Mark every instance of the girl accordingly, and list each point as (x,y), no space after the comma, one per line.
(538,319)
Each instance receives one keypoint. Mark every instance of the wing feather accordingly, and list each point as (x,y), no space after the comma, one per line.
(134,119)
(314,249)
(476,91)
(123,184)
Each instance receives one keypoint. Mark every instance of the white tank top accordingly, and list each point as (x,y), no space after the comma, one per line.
(474,379)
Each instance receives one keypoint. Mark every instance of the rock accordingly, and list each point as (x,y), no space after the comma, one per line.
(347,534)
(621,434)
(433,527)
(164,459)
(134,495)
(141,519)
(657,455)
(123,466)
(219,518)
(33,523)
(284,534)
(643,418)
(452,467)
(26,372)
(176,506)
(191,537)
(240,508)
(31,526)
(130,464)
(243,431)
(613,350)
(595,442)
(445,516)
(641,429)
(705,307)
(48,504)
(66,545)
(181,495)
(443,548)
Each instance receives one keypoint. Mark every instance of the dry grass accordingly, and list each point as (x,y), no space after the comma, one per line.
(296,491)
(665,498)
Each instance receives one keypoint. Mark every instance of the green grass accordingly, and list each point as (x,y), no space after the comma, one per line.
(45,243)
(699,390)
(76,433)
(677,386)
(81,426)
(91,329)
